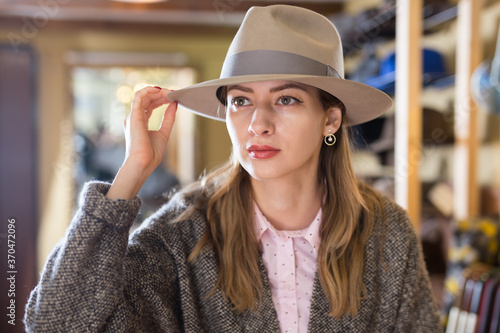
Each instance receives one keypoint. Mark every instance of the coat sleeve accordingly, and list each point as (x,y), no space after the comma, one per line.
(89,283)
(417,311)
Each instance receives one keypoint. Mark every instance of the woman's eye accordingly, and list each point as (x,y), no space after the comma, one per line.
(240,101)
(287,100)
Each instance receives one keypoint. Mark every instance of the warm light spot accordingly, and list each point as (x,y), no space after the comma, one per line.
(124,94)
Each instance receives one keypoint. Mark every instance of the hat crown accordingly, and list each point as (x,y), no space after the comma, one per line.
(289,29)
(282,42)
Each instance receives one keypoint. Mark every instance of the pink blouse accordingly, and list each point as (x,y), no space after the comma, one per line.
(290,261)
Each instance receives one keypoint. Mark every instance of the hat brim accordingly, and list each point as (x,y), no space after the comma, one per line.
(363,103)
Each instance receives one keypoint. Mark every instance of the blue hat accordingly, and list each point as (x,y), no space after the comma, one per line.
(485,82)
(433,69)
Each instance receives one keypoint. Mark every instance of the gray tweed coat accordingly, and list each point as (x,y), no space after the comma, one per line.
(97,279)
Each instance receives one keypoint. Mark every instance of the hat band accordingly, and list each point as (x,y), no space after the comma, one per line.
(258,62)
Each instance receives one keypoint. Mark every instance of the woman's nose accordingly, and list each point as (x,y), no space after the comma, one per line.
(262,121)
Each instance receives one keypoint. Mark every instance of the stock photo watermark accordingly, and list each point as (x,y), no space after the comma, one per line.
(225,6)
(46,9)
(371,28)
(11,271)
(64,167)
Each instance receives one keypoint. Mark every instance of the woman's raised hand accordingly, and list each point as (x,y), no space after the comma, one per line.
(145,149)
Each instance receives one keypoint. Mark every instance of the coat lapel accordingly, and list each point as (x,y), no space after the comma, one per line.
(319,321)
(264,319)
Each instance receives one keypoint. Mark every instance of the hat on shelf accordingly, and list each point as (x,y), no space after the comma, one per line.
(282,42)
(378,24)
(433,69)
(485,82)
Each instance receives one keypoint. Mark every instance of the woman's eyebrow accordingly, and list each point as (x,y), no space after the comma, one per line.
(238,87)
(288,86)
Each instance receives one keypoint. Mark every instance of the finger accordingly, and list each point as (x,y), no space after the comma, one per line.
(168,119)
(142,98)
(157,103)
(153,106)
(154,100)
(142,105)
(160,95)
(148,99)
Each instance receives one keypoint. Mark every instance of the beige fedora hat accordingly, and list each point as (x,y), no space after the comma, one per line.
(282,42)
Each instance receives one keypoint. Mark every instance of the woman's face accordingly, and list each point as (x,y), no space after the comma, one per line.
(277,128)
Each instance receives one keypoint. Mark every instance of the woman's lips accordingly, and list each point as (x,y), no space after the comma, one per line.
(262,152)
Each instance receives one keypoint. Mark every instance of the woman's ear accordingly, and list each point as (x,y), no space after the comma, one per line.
(333,120)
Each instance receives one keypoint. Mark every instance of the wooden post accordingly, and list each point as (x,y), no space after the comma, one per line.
(408,146)
(469,53)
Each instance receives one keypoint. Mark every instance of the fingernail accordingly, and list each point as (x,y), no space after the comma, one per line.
(158,87)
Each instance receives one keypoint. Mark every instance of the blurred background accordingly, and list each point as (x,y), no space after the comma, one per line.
(69,69)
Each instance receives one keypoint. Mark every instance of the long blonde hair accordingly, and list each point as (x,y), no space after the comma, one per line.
(346,225)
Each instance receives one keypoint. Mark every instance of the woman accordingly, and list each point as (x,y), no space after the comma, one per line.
(281,238)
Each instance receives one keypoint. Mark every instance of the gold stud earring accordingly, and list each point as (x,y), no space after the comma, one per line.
(330,139)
